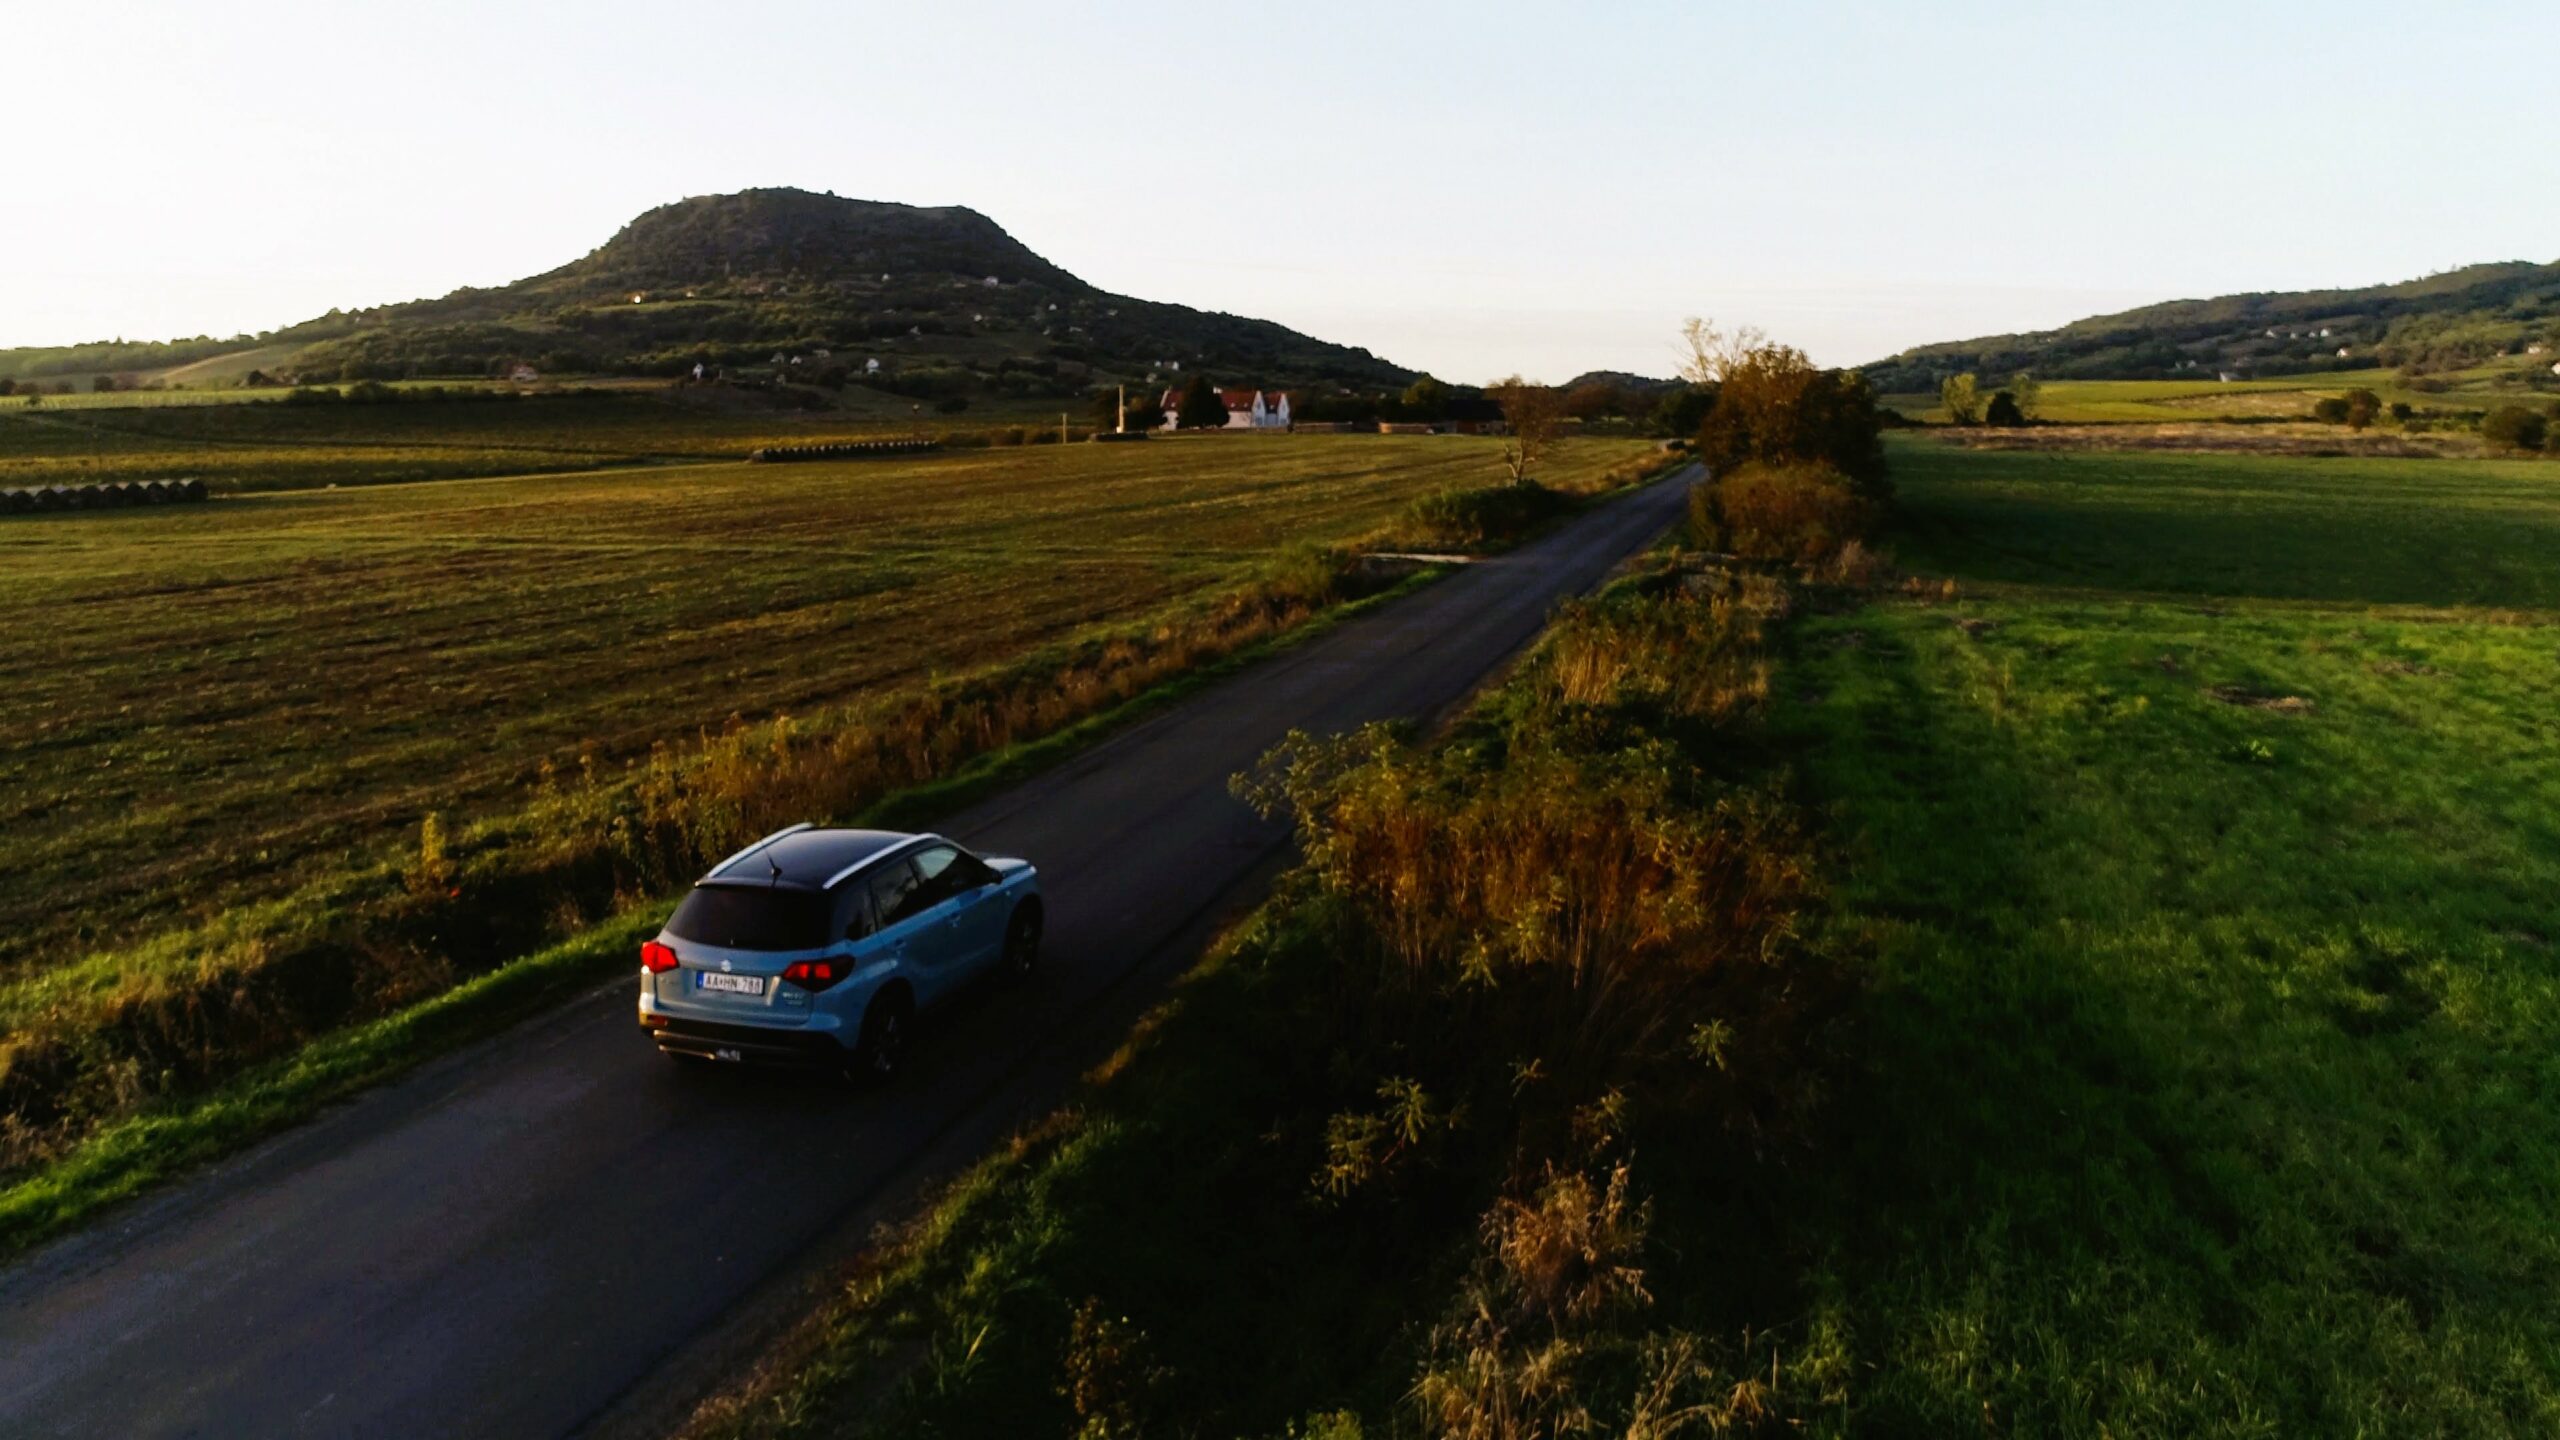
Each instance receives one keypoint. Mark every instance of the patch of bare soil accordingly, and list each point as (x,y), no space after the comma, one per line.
(2260,699)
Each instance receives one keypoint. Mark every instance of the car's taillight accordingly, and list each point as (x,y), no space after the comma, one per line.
(815,974)
(658,959)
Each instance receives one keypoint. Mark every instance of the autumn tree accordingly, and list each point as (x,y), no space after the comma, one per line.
(1533,414)
(1200,407)
(2028,392)
(1775,407)
(1426,399)
(1962,399)
(1593,399)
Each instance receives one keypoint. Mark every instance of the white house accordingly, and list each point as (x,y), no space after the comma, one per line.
(1246,409)
(1256,409)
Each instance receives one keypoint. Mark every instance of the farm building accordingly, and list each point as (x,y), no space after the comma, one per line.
(1256,409)
(1246,409)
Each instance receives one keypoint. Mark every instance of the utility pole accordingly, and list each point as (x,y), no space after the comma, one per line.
(1123,426)
(1062,427)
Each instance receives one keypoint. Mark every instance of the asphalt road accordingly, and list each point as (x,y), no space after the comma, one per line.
(518,1240)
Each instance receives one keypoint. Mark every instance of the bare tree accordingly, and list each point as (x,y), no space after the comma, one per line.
(1533,413)
(1712,351)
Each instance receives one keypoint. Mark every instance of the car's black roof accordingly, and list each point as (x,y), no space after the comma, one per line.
(806,859)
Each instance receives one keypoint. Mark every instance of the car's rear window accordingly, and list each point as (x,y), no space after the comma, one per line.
(737,917)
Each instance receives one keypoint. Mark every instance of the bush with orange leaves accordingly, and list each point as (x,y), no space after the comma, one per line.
(1798,514)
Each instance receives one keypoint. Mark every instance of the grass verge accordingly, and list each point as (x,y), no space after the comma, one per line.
(1309,1189)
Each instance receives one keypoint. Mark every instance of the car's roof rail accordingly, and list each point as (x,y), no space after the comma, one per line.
(875,857)
(769,839)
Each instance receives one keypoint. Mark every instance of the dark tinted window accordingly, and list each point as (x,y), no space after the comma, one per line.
(894,896)
(753,917)
(948,871)
(853,911)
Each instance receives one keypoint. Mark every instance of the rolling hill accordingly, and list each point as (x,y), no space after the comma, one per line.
(942,298)
(2450,321)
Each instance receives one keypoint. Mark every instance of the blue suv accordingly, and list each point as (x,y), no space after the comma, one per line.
(821,947)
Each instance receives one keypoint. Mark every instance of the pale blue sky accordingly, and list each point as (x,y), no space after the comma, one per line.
(1467,188)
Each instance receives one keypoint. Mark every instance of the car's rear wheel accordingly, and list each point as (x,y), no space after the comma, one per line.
(1022,944)
(882,1050)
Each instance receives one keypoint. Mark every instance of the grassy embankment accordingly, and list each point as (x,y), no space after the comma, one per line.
(589,682)
(2194,868)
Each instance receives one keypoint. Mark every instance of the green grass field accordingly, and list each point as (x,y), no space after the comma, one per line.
(222,697)
(2205,859)
(2273,397)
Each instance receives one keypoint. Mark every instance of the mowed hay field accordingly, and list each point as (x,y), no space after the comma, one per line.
(270,445)
(205,705)
(2204,855)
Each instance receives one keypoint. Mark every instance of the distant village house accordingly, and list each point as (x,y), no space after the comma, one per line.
(1246,409)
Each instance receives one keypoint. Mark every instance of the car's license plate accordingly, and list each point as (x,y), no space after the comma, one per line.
(734,984)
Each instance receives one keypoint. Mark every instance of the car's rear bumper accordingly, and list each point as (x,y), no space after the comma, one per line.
(752,1044)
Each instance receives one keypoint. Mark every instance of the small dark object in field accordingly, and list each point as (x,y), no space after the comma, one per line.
(1850,639)
(156,492)
(191,490)
(2260,700)
(841,450)
(50,498)
(16,502)
(1975,628)
(2168,664)
(2403,667)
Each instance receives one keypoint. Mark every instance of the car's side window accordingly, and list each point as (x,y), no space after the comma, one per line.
(943,874)
(853,912)
(895,894)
